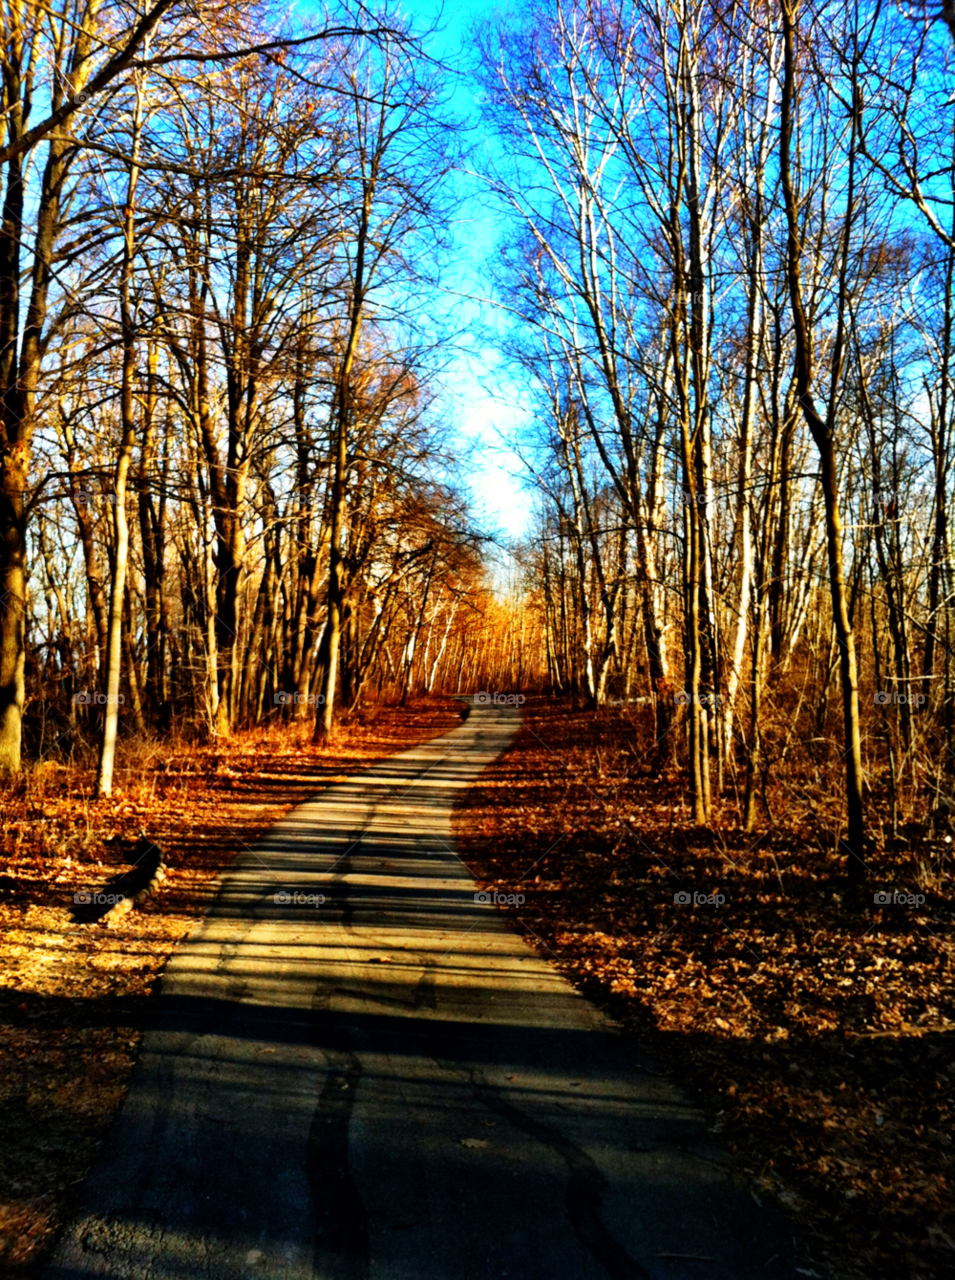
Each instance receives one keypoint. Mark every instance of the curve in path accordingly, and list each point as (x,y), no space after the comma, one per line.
(391,1085)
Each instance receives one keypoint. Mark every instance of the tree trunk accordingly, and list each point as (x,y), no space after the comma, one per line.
(114,650)
(326,720)
(822,434)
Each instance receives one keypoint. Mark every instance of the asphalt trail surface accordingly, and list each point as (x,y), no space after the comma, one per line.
(390,1085)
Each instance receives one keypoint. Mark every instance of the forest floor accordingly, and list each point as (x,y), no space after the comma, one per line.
(74,997)
(816,1023)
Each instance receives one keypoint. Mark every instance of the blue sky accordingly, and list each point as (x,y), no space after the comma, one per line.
(481,400)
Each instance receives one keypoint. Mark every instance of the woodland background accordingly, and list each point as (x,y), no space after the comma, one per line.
(235,512)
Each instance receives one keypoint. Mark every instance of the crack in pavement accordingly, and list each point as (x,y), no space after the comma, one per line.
(341,1231)
(585,1186)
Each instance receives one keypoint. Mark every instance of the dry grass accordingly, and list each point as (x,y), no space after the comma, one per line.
(74,998)
(819,1024)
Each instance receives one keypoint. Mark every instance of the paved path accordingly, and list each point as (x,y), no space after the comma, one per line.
(392,1086)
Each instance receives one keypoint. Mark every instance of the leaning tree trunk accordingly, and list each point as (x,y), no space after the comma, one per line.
(822,433)
(17,424)
(114,649)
